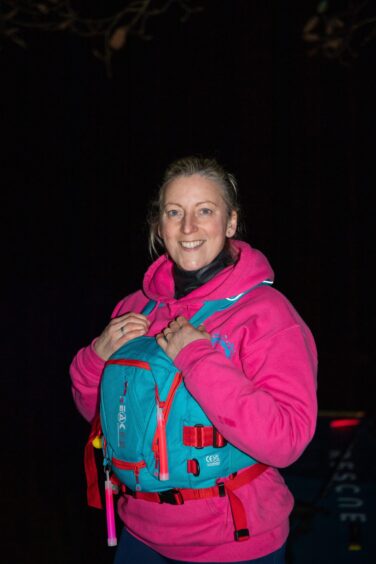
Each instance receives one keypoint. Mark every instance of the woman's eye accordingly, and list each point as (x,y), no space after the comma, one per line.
(206,211)
(172,213)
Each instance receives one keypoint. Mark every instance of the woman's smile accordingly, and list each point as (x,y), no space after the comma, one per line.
(191,245)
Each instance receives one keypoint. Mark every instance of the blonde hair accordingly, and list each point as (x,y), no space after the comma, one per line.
(187,166)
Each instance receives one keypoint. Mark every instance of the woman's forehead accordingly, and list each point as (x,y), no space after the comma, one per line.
(195,187)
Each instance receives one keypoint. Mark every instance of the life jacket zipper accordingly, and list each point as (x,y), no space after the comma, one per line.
(163,410)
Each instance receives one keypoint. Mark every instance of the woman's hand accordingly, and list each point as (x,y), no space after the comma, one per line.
(119,331)
(178,334)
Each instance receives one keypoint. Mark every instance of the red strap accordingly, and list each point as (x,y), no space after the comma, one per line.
(237,509)
(93,495)
(218,440)
(193,467)
(170,495)
(228,486)
(129,362)
(200,436)
(238,480)
(238,516)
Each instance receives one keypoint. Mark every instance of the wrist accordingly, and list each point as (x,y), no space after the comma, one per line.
(99,350)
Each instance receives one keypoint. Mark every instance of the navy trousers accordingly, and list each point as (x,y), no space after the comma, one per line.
(132,551)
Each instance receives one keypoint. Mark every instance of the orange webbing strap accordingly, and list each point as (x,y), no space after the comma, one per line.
(93,495)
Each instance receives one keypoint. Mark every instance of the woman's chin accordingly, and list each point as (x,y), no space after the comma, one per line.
(191,264)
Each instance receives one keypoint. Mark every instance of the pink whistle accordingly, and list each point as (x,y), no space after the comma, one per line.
(110,513)
(162,446)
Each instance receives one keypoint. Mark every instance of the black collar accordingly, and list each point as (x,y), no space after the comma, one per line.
(188,280)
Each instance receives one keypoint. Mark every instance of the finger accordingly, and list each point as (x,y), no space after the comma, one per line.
(174,325)
(181,320)
(160,338)
(132,314)
(131,324)
(204,332)
(179,323)
(133,317)
(168,332)
(128,326)
(129,335)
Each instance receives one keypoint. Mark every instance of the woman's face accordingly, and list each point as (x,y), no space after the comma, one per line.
(194,222)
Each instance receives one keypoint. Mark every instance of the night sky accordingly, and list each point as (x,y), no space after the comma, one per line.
(82,155)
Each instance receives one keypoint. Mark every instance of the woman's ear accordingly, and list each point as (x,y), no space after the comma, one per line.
(232,224)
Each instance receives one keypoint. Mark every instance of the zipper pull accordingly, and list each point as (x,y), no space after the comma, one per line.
(136,475)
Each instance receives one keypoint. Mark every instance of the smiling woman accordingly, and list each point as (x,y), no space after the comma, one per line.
(195,221)
(191,172)
(230,394)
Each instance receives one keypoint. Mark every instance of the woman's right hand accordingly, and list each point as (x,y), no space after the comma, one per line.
(119,331)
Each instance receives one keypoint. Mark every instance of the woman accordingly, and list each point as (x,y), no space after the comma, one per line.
(251,368)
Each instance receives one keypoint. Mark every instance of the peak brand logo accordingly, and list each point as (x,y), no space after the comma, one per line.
(227,347)
(121,420)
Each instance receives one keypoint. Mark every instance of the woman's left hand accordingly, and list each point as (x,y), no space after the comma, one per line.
(178,334)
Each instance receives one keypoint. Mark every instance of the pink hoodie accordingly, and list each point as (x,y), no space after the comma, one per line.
(256,381)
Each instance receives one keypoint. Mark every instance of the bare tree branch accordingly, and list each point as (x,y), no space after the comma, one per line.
(341,34)
(106,30)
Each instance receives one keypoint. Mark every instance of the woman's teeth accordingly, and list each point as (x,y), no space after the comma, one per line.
(190,244)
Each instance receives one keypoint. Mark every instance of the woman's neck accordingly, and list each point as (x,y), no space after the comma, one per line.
(188,280)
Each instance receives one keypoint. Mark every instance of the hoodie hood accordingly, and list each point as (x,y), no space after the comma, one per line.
(251,267)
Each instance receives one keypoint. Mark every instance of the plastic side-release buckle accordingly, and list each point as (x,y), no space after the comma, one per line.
(174,497)
(241,535)
(221,489)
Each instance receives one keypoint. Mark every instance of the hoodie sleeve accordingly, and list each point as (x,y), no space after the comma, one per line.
(266,405)
(86,371)
(87,367)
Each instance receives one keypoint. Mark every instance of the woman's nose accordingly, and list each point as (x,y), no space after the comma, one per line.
(188,224)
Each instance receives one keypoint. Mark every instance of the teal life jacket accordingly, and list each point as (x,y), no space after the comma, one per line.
(139,383)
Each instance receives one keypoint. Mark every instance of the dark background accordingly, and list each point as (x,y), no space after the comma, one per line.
(82,155)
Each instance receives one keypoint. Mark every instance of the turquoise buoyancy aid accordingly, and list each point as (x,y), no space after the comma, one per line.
(156,435)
